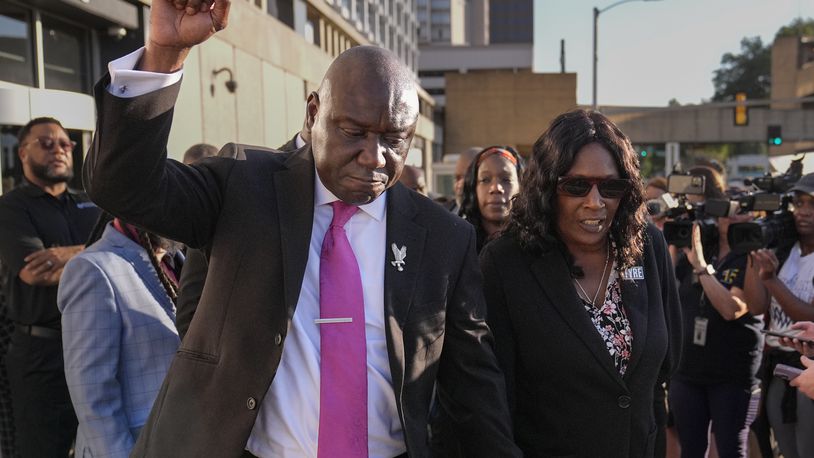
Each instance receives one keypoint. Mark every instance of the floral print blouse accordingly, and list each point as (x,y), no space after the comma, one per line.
(612,323)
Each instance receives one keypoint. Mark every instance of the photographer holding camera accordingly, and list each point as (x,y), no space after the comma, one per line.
(785,287)
(717,379)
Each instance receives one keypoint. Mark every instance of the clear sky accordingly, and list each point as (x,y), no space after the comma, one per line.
(653,51)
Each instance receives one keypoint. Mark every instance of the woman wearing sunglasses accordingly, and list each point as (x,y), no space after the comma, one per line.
(581,297)
(492,180)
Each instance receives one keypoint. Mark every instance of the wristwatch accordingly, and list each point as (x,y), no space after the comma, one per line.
(706,270)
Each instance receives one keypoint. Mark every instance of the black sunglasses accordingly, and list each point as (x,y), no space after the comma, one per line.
(48,144)
(609,188)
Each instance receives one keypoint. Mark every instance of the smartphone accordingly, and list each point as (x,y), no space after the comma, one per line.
(786,372)
(790,335)
(685,184)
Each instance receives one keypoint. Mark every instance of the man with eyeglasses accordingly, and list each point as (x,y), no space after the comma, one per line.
(43,224)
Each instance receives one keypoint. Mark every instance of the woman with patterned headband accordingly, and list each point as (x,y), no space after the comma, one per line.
(492,180)
(581,298)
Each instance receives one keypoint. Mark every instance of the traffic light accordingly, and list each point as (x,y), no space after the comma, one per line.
(774,135)
(741,111)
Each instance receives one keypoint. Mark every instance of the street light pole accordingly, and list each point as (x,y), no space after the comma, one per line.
(597,12)
(596,56)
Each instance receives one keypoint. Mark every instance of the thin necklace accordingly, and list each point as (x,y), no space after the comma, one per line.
(601,280)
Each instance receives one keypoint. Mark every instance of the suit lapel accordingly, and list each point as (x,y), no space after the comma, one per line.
(140,260)
(399,286)
(636,304)
(552,273)
(294,191)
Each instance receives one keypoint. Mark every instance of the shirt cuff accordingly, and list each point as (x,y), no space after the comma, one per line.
(126,82)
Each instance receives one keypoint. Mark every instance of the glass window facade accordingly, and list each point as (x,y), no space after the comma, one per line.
(11,169)
(16,46)
(65,56)
(371,18)
(360,12)
(511,21)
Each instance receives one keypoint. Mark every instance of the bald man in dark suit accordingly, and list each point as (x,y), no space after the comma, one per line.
(246,380)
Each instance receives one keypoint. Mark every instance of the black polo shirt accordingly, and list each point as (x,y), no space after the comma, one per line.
(733,349)
(30,220)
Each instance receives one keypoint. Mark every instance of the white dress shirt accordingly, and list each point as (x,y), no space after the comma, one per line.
(126,82)
(287,424)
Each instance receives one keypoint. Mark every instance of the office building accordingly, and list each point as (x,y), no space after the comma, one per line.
(273,54)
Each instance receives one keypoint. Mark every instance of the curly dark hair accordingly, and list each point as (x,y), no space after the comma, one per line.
(470,209)
(534,213)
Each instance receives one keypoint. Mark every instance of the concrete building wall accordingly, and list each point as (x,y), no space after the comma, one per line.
(272,66)
(710,123)
(463,58)
(792,71)
(784,76)
(477,22)
(457,22)
(436,61)
(504,107)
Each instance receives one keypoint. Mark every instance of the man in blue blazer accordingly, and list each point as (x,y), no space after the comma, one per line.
(119,337)
(246,379)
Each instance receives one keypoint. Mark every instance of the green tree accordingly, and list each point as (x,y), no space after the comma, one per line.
(798,28)
(749,72)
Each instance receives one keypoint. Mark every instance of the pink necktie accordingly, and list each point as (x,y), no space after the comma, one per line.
(343,360)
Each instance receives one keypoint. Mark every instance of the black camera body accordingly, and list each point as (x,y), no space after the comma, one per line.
(777,227)
(678,231)
(768,232)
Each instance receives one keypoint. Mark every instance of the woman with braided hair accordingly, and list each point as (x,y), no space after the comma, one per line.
(117,300)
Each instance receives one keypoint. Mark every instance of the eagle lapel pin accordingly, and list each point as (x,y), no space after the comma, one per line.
(400,254)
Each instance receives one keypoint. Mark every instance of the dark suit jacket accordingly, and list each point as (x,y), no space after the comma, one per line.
(254,217)
(291,144)
(565,394)
(193,276)
(190,287)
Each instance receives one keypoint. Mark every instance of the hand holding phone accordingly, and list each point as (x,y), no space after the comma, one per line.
(785,372)
(789,335)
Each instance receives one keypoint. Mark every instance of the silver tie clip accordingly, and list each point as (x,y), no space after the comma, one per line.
(332,320)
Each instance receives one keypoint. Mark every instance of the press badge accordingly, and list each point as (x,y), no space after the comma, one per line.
(634,273)
(699,337)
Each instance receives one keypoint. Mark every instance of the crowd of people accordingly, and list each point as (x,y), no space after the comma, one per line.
(300,301)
